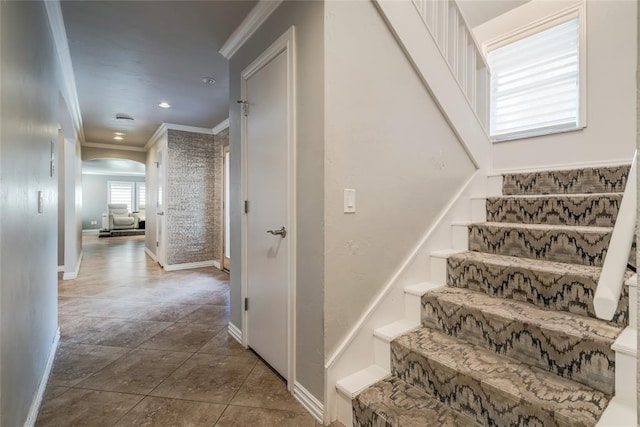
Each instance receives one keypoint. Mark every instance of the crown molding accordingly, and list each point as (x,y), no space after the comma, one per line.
(254,19)
(113,147)
(155,137)
(184,128)
(70,91)
(221,126)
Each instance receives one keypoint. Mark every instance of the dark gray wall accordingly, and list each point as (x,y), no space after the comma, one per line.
(28,283)
(95,197)
(308,18)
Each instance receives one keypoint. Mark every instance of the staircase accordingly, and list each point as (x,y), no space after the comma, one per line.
(513,339)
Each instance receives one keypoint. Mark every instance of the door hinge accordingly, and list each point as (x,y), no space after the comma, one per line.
(246,206)
(246,304)
(157,244)
(157,164)
(245,107)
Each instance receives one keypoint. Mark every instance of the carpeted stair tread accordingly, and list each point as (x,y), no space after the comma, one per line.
(559,243)
(492,389)
(586,180)
(393,402)
(572,346)
(598,209)
(548,285)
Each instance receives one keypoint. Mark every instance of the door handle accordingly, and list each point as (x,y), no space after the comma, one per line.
(282,232)
(160,213)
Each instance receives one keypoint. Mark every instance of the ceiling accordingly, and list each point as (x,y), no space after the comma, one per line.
(478,12)
(113,167)
(128,56)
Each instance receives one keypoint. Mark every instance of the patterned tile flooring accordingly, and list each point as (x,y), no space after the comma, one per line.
(145,347)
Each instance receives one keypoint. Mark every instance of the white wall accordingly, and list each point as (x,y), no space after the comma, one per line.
(386,138)
(152,192)
(611,87)
(72,207)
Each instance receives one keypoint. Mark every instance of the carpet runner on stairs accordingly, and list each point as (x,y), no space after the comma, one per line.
(513,339)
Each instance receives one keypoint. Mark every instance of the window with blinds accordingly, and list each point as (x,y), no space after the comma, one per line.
(141,195)
(121,192)
(535,82)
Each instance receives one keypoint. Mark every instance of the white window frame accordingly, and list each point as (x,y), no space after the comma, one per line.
(577,10)
(133,198)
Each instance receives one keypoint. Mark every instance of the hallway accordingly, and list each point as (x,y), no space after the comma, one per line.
(143,347)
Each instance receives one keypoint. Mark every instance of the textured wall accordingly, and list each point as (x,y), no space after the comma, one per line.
(193,198)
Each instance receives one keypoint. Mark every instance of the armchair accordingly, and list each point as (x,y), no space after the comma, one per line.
(119,217)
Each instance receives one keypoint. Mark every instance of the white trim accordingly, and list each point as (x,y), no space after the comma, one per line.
(56,22)
(61,269)
(150,254)
(114,173)
(185,128)
(188,265)
(162,129)
(308,401)
(285,43)
(217,265)
(220,126)
(113,147)
(563,166)
(235,332)
(73,275)
(37,399)
(90,231)
(249,25)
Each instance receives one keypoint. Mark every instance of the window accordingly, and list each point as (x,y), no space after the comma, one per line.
(121,192)
(536,79)
(141,197)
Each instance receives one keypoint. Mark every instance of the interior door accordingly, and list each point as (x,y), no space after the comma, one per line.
(160,206)
(226,244)
(267,218)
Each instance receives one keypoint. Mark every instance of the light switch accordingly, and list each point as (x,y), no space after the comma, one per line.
(40,202)
(349,200)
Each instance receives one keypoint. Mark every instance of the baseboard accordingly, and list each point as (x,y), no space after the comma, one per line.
(188,265)
(235,332)
(91,231)
(563,166)
(309,401)
(37,399)
(61,269)
(150,254)
(74,275)
(217,265)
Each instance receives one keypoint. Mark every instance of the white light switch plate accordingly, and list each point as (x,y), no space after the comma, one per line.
(349,200)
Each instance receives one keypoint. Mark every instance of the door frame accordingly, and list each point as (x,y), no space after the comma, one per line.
(161,223)
(285,43)
(225,264)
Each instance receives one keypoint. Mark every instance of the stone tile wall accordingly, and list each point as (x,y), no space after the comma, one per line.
(193,197)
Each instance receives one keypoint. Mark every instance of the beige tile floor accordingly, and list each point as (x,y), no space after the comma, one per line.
(144,347)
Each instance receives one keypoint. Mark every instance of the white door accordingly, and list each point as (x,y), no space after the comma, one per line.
(160,222)
(268,247)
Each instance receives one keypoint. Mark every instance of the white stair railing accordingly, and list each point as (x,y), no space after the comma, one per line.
(460,50)
(609,288)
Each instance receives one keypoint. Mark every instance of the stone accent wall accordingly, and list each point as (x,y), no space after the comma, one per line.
(193,198)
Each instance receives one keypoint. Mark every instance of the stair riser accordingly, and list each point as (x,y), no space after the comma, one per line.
(482,402)
(487,403)
(588,362)
(591,180)
(599,211)
(569,246)
(553,291)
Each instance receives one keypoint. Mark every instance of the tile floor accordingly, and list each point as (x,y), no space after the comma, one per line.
(144,347)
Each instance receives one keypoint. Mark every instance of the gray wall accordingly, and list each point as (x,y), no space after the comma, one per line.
(60,171)
(308,17)
(95,197)
(385,137)
(193,198)
(28,284)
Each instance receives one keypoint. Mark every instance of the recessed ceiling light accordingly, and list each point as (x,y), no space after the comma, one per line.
(164,105)
(118,138)
(119,133)
(208,80)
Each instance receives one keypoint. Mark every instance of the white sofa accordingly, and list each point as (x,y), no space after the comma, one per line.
(120,218)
